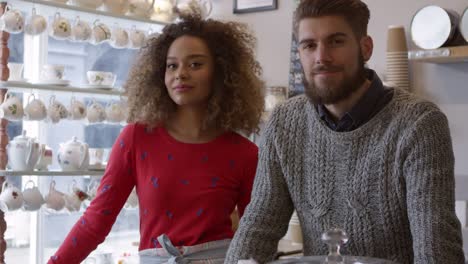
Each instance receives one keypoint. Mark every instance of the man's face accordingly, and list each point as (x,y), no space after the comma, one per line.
(332,58)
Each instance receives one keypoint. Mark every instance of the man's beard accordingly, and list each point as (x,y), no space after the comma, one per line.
(332,95)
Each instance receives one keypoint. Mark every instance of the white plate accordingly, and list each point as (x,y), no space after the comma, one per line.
(18,82)
(96,86)
(53,82)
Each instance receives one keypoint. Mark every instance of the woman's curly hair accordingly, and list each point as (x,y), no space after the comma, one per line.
(236,102)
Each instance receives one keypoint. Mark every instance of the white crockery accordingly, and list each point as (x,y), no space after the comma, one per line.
(136,38)
(54,199)
(35,109)
(12,21)
(11,197)
(95,112)
(73,155)
(11,108)
(100,33)
(35,24)
(61,27)
(32,197)
(56,110)
(23,153)
(76,110)
(81,31)
(45,158)
(16,71)
(52,72)
(100,78)
(115,6)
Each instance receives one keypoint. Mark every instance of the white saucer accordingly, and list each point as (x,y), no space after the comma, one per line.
(97,167)
(53,82)
(18,82)
(97,86)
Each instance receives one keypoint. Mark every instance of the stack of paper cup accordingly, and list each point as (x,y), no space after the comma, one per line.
(397,58)
(295,229)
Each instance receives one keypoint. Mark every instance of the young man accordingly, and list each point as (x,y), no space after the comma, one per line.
(374,161)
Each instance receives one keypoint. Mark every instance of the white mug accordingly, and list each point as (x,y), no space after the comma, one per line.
(61,28)
(32,197)
(35,109)
(56,110)
(11,108)
(35,24)
(76,110)
(74,198)
(12,21)
(137,38)
(81,31)
(119,38)
(11,197)
(45,158)
(115,112)
(54,199)
(100,33)
(95,112)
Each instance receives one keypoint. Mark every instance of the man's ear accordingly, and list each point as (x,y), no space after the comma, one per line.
(367,47)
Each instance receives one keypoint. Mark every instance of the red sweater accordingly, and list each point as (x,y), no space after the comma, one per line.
(186,191)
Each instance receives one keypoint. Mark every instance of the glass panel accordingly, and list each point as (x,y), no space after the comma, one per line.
(78,58)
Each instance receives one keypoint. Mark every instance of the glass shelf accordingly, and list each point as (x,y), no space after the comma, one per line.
(24,86)
(457,54)
(94,11)
(52,173)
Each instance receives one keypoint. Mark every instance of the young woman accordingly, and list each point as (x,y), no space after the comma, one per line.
(192,89)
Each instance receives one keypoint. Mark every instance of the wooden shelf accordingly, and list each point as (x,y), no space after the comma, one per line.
(457,54)
(94,11)
(52,173)
(16,86)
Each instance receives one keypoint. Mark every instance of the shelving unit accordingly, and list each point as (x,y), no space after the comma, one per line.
(52,173)
(15,86)
(94,11)
(457,54)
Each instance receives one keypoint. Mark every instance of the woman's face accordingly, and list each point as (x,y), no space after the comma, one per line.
(189,71)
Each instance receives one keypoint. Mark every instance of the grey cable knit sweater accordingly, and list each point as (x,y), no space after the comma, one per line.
(389,184)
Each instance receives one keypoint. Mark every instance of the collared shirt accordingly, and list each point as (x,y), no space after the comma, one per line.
(373,100)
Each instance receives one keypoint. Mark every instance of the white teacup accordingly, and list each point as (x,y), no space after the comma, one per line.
(35,110)
(74,198)
(137,38)
(11,108)
(35,24)
(56,110)
(115,112)
(11,198)
(52,72)
(119,38)
(45,158)
(140,8)
(101,78)
(115,6)
(95,112)
(81,31)
(76,110)
(33,199)
(12,21)
(100,33)
(163,11)
(60,28)
(16,71)
(54,199)
(96,156)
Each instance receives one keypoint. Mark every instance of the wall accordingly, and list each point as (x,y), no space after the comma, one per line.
(445,84)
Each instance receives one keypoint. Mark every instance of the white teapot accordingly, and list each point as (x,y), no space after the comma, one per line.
(23,153)
(73,155)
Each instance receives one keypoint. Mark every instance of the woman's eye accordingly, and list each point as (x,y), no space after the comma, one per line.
(195,64)
(171,66)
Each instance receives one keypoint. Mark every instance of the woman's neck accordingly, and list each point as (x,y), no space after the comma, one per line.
(186,125)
